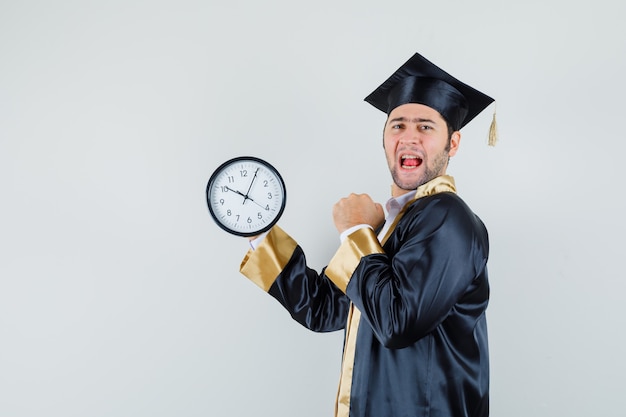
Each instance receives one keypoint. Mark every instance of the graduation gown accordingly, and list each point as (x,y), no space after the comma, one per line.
(413,307)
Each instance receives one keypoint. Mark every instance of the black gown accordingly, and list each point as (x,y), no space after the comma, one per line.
(413,309)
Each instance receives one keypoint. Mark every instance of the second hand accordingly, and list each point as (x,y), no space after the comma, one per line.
(245,197)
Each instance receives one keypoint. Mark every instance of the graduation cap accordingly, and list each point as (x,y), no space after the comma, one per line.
(420,81)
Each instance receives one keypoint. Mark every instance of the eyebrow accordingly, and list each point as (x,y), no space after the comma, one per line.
(416,120)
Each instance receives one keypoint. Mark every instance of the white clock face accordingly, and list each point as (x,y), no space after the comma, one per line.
(246,196)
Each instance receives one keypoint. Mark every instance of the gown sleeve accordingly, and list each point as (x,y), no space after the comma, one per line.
(426,269)
(278,266)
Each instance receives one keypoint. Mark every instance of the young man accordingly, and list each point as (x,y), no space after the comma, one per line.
(410,289)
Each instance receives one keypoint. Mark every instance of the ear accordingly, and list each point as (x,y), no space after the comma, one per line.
(455,141)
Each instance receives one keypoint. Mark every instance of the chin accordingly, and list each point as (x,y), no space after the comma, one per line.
(403,187)
(409,182)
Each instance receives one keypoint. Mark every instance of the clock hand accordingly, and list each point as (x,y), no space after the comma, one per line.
(255,203)
(250,187)
(245,197)
(237,192)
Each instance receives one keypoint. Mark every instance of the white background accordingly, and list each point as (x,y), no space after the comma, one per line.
(119,296)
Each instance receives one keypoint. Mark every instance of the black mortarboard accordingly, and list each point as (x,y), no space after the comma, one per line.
(421,81)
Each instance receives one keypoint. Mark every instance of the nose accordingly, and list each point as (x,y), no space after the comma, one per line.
(410,136)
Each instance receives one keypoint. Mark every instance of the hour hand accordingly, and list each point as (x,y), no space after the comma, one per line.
(237,192)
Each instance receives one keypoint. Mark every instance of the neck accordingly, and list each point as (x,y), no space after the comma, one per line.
(397,191)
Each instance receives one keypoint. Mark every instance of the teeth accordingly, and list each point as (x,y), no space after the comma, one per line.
(405,158)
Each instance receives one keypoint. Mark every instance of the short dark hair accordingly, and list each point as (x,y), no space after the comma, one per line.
(451,130)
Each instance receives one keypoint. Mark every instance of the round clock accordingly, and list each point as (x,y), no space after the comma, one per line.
(246,196)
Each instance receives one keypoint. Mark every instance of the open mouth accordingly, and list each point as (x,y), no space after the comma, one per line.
(410,161)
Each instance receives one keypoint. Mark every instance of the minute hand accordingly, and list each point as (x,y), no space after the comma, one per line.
(250,187)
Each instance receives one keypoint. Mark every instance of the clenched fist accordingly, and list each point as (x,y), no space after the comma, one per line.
(357,209)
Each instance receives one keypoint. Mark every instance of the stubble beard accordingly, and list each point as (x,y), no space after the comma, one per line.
(437,168)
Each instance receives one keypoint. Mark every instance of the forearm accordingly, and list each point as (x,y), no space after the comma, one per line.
(278,266)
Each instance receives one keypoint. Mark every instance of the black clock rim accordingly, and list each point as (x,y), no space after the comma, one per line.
(270,224)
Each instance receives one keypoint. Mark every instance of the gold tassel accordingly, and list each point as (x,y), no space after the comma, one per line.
(493,131)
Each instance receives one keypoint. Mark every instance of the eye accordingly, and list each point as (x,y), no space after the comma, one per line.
(425,127)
